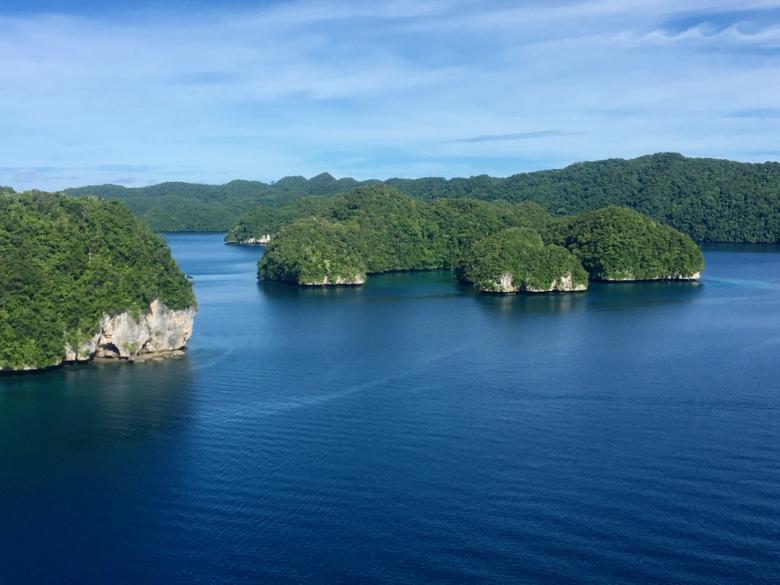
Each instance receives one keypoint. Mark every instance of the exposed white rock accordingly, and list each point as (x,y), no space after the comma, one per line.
(261,241)
(85,351)
(355,280)
(159,330)
(505,284)
(563,284)
(632,278)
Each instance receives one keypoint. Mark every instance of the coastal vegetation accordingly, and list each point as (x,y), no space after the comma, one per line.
(384,230)
(67,262)
(178,206)
(499,247)
(616,243)
(315,251)
(267,219)
(710,200)
(517,260)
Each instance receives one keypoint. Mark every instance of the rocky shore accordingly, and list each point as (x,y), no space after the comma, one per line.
(159,330)
(631,278)
(156,334)
(506,285)
(338,280)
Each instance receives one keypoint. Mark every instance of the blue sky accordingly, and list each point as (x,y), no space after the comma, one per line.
(142,92)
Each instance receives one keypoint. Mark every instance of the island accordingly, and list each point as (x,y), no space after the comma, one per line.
(498,247)
(710,200)
(517,260)
(619,244)
(82,278)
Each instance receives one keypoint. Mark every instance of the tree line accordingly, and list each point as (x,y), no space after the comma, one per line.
(710,200)
(378,229)
(65,262)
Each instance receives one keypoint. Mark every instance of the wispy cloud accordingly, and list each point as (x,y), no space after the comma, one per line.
(756,113)
(236,90)
(520,136)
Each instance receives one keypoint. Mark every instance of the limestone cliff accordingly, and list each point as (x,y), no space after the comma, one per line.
(253,241)
(159,330)
(632,278)
(505,284)
(338,280)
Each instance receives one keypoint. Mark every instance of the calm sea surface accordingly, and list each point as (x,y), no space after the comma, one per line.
(411,431)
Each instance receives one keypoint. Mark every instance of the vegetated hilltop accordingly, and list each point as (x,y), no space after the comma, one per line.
(497,246)
(707,199)
(81,277)
(266,220)
(518,260)
(175,207)
(615,243)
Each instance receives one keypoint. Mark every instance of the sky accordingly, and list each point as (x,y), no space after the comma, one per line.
(142,92)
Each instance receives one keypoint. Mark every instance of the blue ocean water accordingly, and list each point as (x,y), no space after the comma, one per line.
(411,431)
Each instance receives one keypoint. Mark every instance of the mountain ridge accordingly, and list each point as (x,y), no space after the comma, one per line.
(709,199)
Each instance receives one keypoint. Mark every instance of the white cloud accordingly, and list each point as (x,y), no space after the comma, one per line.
(311,86)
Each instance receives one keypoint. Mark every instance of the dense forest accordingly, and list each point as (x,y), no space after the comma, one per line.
(498,246)
(616,243)
(65,262)
(517,259)
(175,207)
(267,219)
(708,199)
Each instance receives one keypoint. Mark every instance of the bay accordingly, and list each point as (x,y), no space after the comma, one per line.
(412,431)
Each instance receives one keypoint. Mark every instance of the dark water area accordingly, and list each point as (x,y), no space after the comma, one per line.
(411,431)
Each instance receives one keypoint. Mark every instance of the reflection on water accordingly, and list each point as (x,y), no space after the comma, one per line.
(742,248)
(531,304)
(378,287)
(92,406)
(411,431)
(410,286)
(289,291)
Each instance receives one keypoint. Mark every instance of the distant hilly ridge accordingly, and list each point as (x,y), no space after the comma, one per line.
(709,199)
(178,206)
